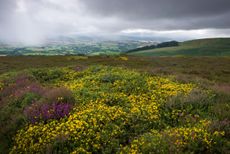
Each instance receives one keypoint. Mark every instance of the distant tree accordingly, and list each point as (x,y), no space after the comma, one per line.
(167,44)
(160,45)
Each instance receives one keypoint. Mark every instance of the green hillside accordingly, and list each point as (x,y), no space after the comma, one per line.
(202,47)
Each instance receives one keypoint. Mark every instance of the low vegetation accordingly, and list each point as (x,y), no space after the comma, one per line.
(120,106)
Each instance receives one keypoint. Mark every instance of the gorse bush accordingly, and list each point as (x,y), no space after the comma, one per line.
(21,92)
(47,75)
(176,140)
(61,95)
(115,110)
(109,110)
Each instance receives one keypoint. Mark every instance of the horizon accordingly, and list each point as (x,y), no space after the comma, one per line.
(33,22)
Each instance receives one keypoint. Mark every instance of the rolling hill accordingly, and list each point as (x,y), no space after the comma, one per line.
(201,47)
(74,46)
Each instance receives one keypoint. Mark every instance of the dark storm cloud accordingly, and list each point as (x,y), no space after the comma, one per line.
(189,13)
(159,8)
(32,21)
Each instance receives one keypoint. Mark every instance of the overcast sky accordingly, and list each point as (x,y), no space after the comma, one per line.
(33,21)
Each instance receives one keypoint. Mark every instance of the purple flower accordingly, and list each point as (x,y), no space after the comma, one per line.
(45,112)
(29,88)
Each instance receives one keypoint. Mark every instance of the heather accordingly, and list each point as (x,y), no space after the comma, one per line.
(107,109)
(44,112)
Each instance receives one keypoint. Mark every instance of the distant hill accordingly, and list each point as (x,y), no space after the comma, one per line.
(71,46)
(201,47)
(160,45)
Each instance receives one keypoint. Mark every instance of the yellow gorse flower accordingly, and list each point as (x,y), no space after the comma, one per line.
(113,102)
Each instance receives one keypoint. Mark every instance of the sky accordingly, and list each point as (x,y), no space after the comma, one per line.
(34,21)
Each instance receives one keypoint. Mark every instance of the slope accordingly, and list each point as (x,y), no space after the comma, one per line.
(202,47)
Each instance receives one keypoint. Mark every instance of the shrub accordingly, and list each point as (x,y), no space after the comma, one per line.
(44,112)
(184,109)
(120,111)
(80,68)
(19,86)
(19,92)
(115,106)
(221,110)
(110,78)
(61,95)
(223,125)
(47,75)
(195,139)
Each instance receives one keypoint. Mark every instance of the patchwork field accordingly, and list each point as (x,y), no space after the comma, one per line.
(114,104)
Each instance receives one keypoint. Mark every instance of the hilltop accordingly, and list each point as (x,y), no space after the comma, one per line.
(201,47)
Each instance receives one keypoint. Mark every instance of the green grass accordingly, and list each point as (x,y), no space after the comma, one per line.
(202,47)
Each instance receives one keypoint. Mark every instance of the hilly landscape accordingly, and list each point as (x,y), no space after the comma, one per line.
(114,77)
(114,97)
(89,47)
(167,97)
(202,47)
(74,46)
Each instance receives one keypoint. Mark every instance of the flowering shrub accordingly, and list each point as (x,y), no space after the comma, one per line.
(1,85)
(124,58)
(61,95)
(19,91)
(55,103)
(20,85)
(47,75)
(45,112)
(117,111)
(176,140)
